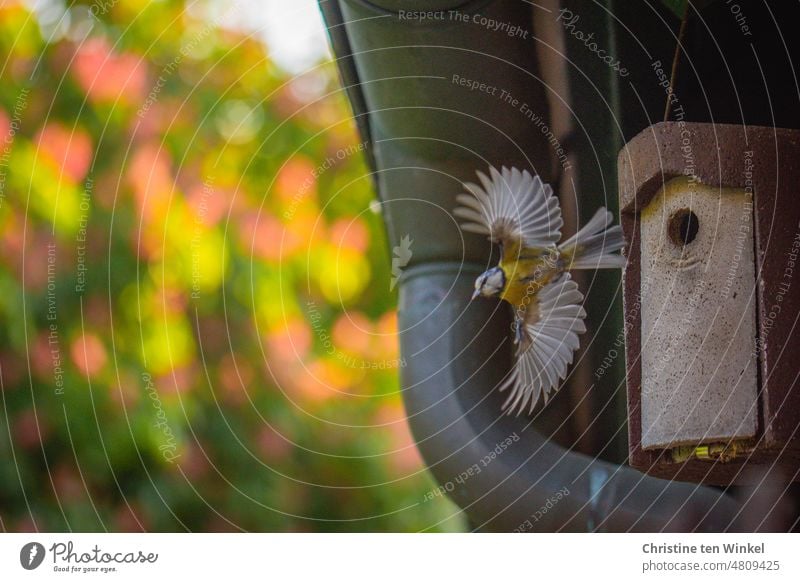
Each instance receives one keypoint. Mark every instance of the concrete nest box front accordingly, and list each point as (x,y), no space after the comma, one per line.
(710,215)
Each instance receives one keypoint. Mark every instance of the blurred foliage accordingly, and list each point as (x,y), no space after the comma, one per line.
(678,7)
(196,326)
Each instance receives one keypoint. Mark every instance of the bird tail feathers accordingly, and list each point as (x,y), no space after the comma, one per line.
(592,247)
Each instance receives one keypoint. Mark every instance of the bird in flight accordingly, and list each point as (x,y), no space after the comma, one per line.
(519,212)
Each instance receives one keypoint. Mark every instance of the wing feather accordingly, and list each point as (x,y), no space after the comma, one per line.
(511,206)
(551,331)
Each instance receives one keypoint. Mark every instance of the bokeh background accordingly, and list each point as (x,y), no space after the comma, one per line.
(197,316)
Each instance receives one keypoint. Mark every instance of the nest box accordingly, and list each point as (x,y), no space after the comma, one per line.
(711,215)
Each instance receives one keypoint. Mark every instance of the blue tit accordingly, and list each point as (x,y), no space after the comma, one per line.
(519,212)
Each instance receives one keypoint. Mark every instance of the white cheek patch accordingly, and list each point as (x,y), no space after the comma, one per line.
(496,281)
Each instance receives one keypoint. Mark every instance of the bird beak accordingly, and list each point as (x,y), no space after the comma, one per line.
(475,294)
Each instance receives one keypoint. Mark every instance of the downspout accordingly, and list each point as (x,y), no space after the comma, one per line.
(408,81)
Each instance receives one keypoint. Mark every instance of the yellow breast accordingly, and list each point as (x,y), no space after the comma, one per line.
(526,273)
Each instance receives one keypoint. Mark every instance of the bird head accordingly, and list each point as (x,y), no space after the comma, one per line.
(490,283)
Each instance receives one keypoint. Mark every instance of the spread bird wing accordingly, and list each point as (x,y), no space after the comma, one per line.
(549,329)
(511,207)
